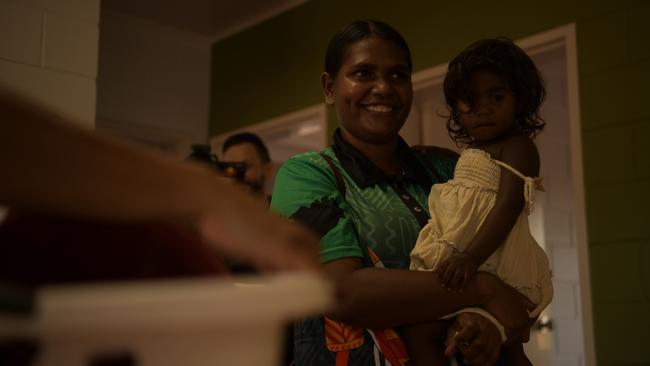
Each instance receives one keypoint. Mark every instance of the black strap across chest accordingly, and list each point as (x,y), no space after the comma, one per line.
(420,213)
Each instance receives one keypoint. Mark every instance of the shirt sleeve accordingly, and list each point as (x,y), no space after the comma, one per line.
(443,163)
(447,166)
(305,190)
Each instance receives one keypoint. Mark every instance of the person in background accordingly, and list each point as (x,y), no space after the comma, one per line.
(245,159)
(366,196)
(248,149)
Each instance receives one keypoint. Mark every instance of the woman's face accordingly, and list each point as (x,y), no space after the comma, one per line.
(372,91)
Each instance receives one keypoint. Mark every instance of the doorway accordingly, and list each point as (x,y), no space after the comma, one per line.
(563,334)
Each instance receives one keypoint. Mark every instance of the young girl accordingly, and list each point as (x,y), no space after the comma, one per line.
(479,219)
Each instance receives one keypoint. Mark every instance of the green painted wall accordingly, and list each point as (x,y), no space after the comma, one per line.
(274,68)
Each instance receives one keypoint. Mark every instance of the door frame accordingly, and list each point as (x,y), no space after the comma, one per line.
(557,37)
(286,121)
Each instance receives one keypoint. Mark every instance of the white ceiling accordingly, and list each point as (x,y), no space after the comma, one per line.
(215,19)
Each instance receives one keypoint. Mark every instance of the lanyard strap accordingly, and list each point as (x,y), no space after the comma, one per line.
(418,211)
(420,214)
(340,183)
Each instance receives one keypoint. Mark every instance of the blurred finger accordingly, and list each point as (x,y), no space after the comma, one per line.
(465,341)
(480,341)
(303,240)
(449,274)
(440,270)
(471,352)
(465,335)
(267,247)
(474,353)
(452,342)
(466,277)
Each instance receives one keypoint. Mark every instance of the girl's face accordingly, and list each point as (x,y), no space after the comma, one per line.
(491,111)
(372,91)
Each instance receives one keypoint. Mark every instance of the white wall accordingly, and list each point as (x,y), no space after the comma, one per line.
(153,83)
(48,51)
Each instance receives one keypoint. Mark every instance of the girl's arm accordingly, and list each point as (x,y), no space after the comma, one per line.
(521,153)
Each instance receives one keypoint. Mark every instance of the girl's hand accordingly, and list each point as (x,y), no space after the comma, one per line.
(456,270)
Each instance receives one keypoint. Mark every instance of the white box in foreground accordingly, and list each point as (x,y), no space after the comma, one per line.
(208,321)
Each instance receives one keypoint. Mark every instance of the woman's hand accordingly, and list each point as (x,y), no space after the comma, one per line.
(507,305)
(477,339)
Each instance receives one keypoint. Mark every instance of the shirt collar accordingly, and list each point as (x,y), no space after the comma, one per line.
(365,173)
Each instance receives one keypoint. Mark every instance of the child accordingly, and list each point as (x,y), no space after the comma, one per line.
(479,218)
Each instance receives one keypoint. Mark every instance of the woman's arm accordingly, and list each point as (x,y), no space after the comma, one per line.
(379,297)
(376,297)
(520,153)
(50,165)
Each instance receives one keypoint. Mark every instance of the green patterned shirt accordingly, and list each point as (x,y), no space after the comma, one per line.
(373,214)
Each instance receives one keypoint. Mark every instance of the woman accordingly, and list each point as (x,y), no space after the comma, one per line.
(366,197)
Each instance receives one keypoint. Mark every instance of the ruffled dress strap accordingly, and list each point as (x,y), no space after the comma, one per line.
(531,184)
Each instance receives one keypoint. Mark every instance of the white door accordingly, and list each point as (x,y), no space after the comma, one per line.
(557,213)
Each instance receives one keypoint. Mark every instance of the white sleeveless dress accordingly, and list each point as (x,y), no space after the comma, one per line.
(458,209)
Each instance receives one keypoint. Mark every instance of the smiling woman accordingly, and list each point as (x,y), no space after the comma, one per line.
(372,89)
(366,196)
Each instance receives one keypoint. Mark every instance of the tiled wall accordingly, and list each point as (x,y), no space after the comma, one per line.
(614,52)
(153,84)
(48,51)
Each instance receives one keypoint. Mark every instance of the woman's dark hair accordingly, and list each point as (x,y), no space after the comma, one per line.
(502,57)
(357,31)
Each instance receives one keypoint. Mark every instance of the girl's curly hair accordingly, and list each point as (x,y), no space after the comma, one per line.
(504,58)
